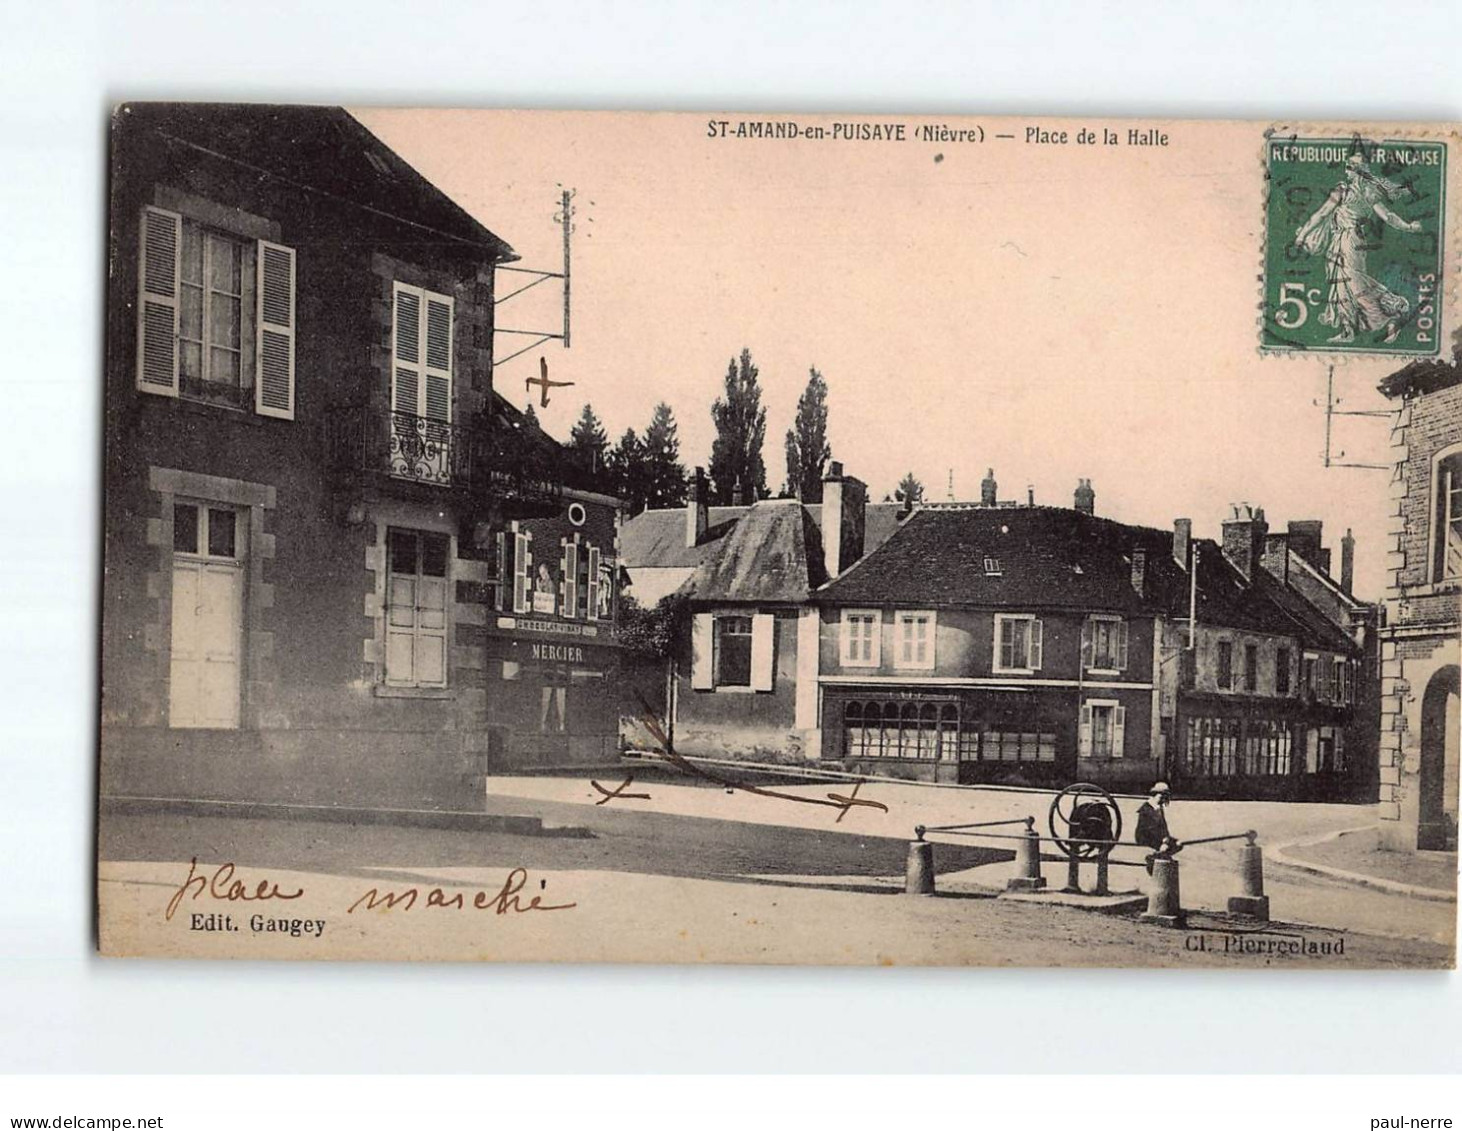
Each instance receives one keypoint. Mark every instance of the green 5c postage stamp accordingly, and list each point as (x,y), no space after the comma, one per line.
(1353,243)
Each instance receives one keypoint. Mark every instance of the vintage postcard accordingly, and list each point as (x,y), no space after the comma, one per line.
(821,539)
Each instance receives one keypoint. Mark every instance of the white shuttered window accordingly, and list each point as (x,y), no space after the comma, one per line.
(421,372)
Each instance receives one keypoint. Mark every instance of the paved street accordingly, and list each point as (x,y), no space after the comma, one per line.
(672,878)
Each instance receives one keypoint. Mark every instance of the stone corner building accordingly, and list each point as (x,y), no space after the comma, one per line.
(339,568)
(1420,641)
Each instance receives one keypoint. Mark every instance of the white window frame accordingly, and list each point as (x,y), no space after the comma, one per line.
(1035,642)
(847,640)
(1087,729)
(718,631)
(1121,644)
(908,617)
(1438,521)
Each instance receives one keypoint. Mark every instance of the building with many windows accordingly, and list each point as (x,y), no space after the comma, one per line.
(1047,645)
(339,568)
(1419,739)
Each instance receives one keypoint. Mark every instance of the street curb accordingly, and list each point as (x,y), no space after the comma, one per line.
(1277,855)
(453,819)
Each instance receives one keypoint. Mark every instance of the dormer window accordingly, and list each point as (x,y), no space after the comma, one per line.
(992,567)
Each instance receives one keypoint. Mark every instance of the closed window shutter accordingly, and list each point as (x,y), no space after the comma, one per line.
(569,586)
(591,609)
(1083,742)
(1036,644)
(520,572)
(1088,643)
(406,351)
(157,302)
(1122,645)
(438,404)
(702,626)
(1119,730)
(500,590)
(274,379)
(763,634)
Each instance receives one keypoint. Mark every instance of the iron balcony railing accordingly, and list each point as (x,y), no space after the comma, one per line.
(491,462)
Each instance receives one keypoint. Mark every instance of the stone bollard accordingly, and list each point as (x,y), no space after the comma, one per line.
(1164,902)
(1027,864)
(1253,903)
(919,879)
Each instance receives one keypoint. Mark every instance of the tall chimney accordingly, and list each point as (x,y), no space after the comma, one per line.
(1182,540)
(697,513)
(1139,570)
(844,500)
(1276,557)
(987,489)
(1243,538)
(1085,497)
(1347,563)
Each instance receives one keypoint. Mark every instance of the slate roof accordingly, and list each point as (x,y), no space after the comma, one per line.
(323,148)
(656,538)
(1049,557)
(772,553)
(1052,557)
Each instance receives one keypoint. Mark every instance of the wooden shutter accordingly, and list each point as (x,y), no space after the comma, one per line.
(1088,643)
(521,576)
(592,609)
(1121,645)
(568,586)
(702,628)
(1083,741)
(406,350)
(500,550)
(157,301)
(1037,644)
(763,636)
(437,403)
(1119,730)
(274,353)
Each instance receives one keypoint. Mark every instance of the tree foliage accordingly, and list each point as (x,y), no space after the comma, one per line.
(588,441)
(623,464)
(909,490)
(662,474)
(807,446)
(741,428)
(654,633)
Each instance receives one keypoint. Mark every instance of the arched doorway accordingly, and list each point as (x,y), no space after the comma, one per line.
(1437,781)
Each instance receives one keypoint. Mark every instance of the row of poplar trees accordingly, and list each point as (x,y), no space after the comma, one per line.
(645,470)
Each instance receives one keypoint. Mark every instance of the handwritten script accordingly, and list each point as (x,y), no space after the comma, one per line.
(222,885)
(504,901)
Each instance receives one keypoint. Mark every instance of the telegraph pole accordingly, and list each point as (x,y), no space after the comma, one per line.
(566,213)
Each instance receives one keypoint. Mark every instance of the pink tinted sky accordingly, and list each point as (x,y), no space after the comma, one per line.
(1053,312)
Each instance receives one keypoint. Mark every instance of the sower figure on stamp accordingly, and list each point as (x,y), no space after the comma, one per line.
(1340,230)
(1152,824)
